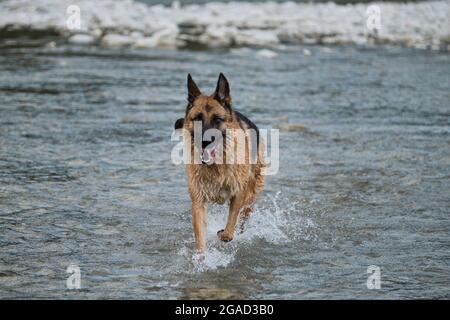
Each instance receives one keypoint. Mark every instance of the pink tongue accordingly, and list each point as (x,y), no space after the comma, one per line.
(209,155)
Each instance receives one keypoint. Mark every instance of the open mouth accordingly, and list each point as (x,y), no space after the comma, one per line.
(208,155)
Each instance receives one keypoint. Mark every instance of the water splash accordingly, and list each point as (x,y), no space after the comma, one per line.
(275,220)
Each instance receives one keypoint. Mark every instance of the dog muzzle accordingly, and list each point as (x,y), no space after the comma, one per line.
(208,155)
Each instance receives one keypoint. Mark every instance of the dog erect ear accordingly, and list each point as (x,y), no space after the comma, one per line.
(179,123)
(193,90)
(222,93)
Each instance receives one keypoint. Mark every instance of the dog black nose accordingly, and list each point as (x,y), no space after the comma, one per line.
(206,143)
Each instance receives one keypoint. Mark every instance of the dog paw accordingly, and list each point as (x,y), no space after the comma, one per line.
(198,256)
(223,236)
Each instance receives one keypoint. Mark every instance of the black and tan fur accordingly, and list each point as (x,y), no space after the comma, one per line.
(238,184)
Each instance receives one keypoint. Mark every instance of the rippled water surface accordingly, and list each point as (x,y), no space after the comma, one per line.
(86,176)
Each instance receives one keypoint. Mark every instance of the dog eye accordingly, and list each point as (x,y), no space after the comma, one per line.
(218,120)
(198,117)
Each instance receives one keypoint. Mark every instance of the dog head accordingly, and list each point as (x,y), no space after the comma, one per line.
(208,112)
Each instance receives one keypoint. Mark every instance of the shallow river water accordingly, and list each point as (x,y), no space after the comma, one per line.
(86,176)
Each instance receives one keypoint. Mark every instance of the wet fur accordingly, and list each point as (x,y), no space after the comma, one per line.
(238,184)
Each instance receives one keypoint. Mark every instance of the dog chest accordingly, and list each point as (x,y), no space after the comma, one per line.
(216,190)
(219,185)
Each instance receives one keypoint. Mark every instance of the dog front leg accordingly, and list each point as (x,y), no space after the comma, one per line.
(236,204)
(199,219)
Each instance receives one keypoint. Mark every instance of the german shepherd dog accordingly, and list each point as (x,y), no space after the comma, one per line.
(212,181)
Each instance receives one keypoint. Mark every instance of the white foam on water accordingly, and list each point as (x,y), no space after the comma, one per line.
(266,24)
(275,220)
(211,259)
(265,53)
